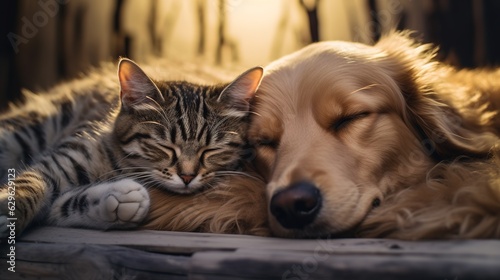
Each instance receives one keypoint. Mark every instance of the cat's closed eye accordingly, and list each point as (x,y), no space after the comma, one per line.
(207,153)
(169,152)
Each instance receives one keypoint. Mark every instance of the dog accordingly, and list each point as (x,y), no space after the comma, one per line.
(378,141)
(360,141)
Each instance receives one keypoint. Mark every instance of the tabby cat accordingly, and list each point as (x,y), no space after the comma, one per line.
(82,158)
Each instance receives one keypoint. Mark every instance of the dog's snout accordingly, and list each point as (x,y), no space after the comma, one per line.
(296,206)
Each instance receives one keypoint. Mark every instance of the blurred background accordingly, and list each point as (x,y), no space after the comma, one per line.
(46,41)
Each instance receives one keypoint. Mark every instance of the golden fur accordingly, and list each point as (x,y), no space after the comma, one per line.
(423,142)
(382,122)
(237,205)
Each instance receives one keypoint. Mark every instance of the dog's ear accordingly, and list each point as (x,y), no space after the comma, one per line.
(443,132)
(431,109)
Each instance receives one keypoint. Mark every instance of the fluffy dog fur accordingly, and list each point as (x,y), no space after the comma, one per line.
(237,205)
(384,122)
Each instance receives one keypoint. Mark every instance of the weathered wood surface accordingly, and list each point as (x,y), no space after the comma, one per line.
(256,264)
(82,261)
(62,253)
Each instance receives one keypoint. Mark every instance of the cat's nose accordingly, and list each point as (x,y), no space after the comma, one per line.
(187,178)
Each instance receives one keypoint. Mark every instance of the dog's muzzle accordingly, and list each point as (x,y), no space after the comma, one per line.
(296,206)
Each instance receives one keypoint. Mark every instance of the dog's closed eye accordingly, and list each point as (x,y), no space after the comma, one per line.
(266,142)
(343,122)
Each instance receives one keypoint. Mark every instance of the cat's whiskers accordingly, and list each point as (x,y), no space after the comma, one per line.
(255,113)
(122,175)
(216,126)
(119,161)
(235,173)
(230,132)
(144,179)
(209,185)
(152,122)
(159,109)
(132,175)
(150,183)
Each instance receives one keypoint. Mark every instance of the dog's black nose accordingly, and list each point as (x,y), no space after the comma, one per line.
(296,206)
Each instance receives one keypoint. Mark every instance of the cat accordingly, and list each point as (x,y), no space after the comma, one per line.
(83,156)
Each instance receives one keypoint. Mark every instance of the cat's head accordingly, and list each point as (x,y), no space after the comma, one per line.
(180,136)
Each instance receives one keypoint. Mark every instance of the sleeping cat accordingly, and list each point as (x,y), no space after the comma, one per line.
(82,158)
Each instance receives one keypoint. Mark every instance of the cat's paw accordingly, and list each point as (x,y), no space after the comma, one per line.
(124,204)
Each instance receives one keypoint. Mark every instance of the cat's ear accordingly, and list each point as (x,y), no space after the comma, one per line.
(136,88)
(240,91)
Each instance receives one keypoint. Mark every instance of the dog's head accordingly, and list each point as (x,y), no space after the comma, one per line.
(339,125)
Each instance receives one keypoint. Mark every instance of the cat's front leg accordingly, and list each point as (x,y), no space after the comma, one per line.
(23,199)
(119,204)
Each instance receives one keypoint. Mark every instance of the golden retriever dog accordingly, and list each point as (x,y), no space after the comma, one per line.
(378,141)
